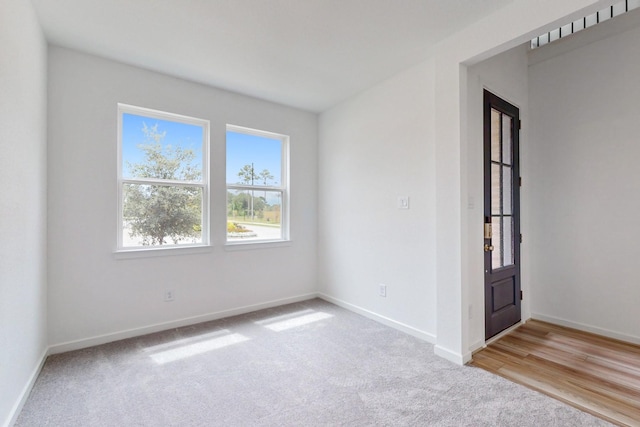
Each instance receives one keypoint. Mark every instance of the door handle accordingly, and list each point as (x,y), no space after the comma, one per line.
(488,248)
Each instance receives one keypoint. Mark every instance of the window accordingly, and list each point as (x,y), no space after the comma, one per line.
(257,185)
(163,189)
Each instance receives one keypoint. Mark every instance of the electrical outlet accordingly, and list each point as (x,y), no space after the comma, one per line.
(169,295)
(403,202)
(382,290)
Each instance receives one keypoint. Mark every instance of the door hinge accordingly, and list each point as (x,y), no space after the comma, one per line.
(520,181)
(521,297)
(521,238)
(519,124)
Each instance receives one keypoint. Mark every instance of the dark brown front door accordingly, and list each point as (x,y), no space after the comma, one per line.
(501,215)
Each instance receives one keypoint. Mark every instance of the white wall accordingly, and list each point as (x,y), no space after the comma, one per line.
(375,147)
(505,75)
(585,183)
(22,203)
(507,28)
(92,293)
(360,156)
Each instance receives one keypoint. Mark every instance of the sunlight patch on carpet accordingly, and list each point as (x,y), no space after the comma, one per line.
(181,349)
(297,321)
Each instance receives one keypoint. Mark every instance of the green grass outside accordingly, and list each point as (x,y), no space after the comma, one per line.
(256,221)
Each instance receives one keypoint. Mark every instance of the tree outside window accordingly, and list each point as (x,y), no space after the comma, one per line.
(163,186)
(257,191)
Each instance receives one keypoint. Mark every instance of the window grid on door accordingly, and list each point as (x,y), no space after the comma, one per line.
(502,181)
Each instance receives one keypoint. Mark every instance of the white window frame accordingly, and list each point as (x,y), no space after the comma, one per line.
(204,183)
(283,188)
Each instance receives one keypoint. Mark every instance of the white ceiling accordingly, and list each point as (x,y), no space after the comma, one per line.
(309,54)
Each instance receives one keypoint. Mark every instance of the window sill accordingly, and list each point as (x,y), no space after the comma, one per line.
(251,245)
(158,252)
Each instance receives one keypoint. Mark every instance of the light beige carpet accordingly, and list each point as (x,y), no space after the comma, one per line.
(305,364)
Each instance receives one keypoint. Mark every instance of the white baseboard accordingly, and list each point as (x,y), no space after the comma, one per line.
(158,327)
(26,390)
(426,336)
(452,356)
(477,346)
(586,328)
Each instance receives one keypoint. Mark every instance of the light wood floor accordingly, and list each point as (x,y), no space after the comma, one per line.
(595,374)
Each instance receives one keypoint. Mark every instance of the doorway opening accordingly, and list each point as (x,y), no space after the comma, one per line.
(502,238)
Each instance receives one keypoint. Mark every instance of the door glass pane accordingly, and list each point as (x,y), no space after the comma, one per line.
(506,139)
(507,189)
(496,190)
(496,241)
(495,135)
(507,229)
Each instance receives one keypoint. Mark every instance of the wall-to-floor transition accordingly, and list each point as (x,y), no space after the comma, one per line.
(23,207)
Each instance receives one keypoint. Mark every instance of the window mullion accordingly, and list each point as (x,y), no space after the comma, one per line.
(254,187)
(166,182)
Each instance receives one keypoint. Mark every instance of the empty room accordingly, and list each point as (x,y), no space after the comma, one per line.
(319,212)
